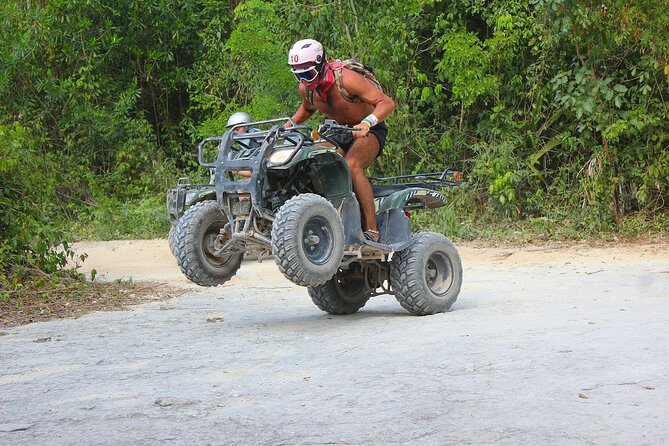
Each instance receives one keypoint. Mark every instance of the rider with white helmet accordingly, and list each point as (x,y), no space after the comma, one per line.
(242,118)
(238,118)
(316,77)
(307,59)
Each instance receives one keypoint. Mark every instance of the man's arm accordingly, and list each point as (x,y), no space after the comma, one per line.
(357,85)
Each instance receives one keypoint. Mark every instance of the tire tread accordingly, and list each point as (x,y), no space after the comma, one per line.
(282,235)
(185,247)
(407,282)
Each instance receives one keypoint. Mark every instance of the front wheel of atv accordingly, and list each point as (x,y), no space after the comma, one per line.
(427,275)
(196,239)
(308,240)
(345,293)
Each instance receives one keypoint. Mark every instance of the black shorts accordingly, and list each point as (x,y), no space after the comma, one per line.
(345,139)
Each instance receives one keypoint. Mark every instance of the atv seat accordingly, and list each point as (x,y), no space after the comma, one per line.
(385,190)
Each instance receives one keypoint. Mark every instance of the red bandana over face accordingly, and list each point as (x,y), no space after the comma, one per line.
(322,83)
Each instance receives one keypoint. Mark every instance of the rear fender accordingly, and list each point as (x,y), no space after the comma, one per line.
(395,229)
(411,198)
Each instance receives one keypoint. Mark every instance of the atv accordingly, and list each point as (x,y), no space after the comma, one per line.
(297,204)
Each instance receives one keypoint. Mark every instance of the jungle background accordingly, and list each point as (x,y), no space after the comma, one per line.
(555,110)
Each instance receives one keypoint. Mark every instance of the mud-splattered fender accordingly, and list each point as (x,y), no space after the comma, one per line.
(428,198)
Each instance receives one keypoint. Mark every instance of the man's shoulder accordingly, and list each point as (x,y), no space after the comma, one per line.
(352,79)
(349,75)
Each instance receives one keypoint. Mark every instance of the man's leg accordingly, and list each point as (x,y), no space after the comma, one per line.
(359,157)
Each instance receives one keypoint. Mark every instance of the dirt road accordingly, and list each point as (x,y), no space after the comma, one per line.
(545,346)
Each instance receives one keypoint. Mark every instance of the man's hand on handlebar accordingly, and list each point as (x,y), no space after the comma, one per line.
(361,130)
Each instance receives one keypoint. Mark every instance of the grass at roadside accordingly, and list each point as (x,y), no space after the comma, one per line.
(112,219)
(576,225)
(41,297)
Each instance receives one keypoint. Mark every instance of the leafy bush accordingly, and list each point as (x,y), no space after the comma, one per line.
(114,219)
(30,237)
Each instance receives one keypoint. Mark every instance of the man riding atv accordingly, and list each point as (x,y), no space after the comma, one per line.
(308,203)
(350,99)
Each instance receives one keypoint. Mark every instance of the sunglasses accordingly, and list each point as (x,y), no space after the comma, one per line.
(306,74)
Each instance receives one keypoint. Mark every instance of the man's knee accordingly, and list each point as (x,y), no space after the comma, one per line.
(355,165)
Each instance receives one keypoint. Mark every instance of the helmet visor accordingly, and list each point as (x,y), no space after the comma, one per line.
(305,74)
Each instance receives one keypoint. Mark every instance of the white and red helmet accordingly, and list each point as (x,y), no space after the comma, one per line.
(306,59)
(306,50)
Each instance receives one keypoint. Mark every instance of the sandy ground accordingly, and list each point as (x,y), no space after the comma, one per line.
(545,345)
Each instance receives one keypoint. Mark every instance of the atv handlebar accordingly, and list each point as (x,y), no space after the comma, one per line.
(330,125)
(329,128)
(275,131)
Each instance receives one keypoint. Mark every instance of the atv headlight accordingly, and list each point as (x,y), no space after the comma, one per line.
(280,157)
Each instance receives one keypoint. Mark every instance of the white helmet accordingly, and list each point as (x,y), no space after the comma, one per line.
(306,50)
(238,118)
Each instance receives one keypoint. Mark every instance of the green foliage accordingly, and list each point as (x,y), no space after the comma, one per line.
(465,65)
(244,69)
(28,237)
(114,219)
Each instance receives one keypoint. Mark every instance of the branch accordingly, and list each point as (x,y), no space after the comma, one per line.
(355,16)
(348,32)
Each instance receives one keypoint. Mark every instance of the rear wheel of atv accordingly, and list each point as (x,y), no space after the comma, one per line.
(427,275)
(196,239)
(345,293)
(308,240)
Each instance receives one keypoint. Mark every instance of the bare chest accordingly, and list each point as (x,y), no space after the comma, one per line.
(337,108)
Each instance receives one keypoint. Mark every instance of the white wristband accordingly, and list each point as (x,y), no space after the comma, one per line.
(371,119)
